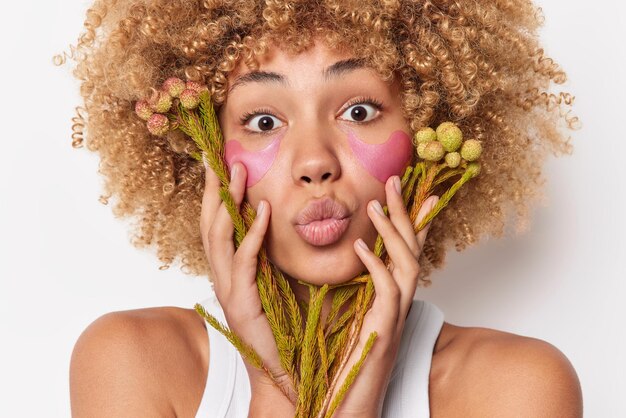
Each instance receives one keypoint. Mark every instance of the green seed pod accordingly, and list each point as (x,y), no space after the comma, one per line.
(471,150)
(192,85)
(174,86)
(453,159)
(425,135)
(158,124)
(143,110)
(420,149)
(473,169)
(450,137)
(433,151)
(190,99)
(162,102)
(443,126)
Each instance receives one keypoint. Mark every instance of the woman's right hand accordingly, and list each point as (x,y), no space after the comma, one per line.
(234,280)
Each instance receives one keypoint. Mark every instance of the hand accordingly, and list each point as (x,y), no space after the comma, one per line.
(234,279)
(395,287)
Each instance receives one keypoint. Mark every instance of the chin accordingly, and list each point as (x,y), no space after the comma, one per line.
(332,267)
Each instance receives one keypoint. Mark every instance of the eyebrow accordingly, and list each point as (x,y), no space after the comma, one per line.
(335,70)
(342,67)
(259,77)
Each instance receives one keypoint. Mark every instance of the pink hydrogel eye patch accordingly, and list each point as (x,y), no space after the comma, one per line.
(257,162)
(383,160)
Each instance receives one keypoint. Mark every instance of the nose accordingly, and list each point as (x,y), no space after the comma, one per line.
(315,158)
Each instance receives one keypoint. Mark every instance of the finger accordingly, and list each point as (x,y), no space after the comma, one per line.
(245,260)
(210,200)
(398,214)
(405,263)
(408,286)
(401,255)
(387,291)
(220,234)
(222,227)
(426,207)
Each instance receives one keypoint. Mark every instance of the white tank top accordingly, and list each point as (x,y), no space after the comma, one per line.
(227,391)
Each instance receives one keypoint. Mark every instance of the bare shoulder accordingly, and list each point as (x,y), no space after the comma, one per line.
(144,362)
(484,372)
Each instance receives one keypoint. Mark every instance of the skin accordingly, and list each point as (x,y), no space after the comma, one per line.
(257,163)
(308,106)
(380,160)
(154,362)
(383,160)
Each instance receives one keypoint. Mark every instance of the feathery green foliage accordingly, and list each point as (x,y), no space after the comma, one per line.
(309,352)
(351,375)
(242,347)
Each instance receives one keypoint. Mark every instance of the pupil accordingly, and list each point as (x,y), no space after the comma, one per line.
(359,113)
(266,123)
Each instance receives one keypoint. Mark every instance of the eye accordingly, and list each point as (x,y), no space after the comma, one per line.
(263,123)
(360,112)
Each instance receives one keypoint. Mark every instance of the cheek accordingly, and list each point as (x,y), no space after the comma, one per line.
(257,163)
(383,160)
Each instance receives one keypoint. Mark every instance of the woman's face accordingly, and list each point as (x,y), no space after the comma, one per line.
(319,134)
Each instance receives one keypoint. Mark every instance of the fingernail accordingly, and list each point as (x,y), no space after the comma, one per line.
(361,244)
(233,172)
(260,208)
(433,203)
(204,161)
(378,208)
(396,182)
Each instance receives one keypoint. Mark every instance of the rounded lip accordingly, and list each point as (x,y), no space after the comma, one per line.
(321,235)
(320,209)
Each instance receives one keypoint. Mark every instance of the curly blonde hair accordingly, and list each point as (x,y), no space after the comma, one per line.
(478,64)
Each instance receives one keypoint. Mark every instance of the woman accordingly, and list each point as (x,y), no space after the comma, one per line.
(304,80)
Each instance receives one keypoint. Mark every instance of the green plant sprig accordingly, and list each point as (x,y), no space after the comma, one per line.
(313,352)
(309,354)
(354,371)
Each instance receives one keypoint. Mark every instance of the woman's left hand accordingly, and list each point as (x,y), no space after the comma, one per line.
(395,287)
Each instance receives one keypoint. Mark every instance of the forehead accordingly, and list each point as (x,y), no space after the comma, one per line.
(316,58)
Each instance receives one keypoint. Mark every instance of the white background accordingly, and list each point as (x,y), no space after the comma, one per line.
(64,260)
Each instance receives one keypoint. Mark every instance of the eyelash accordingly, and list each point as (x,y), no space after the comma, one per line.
(245,118)
(364,100)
